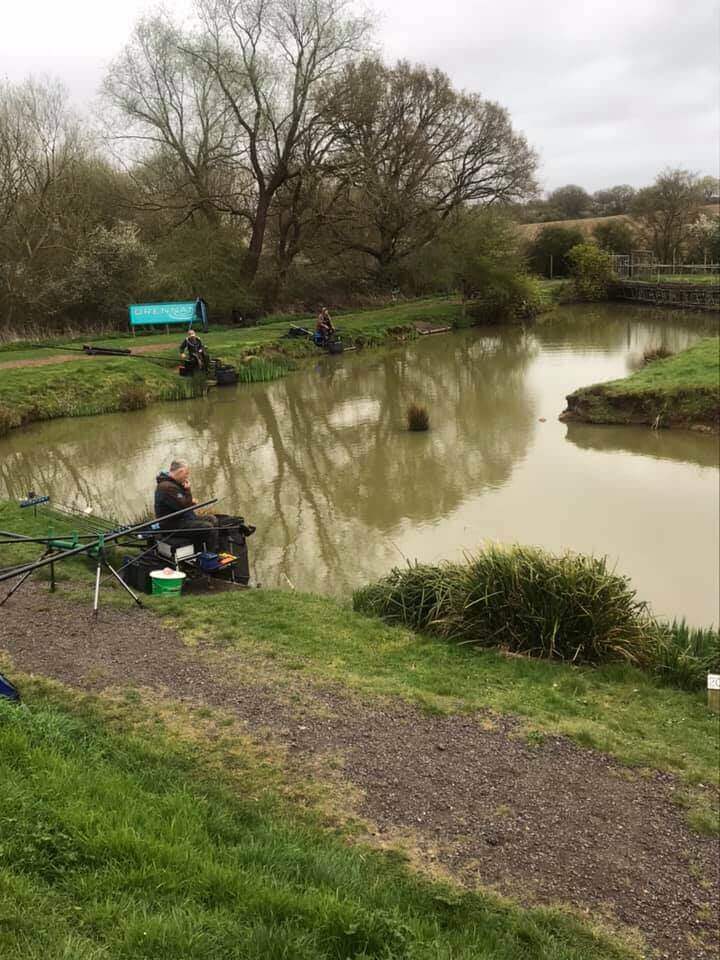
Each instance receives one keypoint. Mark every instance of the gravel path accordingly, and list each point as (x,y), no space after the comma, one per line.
(551,823)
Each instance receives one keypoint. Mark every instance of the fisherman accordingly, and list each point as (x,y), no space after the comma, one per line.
(193,351)
(324,328)
(173,493)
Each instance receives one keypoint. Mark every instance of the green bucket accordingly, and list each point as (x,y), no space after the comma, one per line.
(164,585)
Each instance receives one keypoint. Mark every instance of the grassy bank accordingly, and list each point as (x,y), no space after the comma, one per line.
(127,833)
(95,385)
(614,707)
(680,391)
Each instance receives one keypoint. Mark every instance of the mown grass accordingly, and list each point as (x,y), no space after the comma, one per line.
(123,841)
(615,708)
(682,389)
(103,384)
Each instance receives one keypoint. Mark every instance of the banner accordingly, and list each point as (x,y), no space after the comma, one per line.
(159,314)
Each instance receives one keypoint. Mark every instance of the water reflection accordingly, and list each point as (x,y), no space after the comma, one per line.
(678,445)
(340,491)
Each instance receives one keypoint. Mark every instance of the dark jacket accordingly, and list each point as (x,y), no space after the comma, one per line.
(192,345)
(171,496)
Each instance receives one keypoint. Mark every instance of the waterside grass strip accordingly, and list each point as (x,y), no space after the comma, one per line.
(96,385)
(680,391)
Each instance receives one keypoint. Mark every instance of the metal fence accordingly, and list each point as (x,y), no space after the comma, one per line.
(641,265)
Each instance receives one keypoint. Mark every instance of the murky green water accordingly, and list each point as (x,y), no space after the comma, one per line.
(340,492)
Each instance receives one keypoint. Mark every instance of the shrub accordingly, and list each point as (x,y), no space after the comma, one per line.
(133,397)
(683,655)
(657,353)
(568,607)
(504,297)
(417,417)
(555,243)
(8,419)
(591,270)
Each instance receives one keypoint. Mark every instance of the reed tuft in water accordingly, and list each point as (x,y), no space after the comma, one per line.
(418,418)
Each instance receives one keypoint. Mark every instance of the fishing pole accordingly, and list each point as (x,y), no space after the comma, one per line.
(104,538)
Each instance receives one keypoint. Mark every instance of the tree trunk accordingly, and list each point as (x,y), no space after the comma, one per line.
(257,238)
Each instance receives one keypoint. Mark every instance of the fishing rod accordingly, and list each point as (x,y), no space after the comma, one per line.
(101,540)
(89,350)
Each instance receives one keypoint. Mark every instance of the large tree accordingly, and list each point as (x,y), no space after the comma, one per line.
(613,200)
(665,212)
(269,58)
(182,136)
(409,150)
(573,201)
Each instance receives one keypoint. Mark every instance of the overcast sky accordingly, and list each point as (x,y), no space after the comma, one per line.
(607,92)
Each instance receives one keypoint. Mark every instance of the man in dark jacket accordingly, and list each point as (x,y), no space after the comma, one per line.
(192,348)
(172,493)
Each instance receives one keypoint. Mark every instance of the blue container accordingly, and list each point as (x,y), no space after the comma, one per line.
(7,690)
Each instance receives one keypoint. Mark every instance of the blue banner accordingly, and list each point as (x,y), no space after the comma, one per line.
(158,314)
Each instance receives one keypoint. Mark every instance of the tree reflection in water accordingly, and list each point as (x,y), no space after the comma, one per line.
(323,464)
(320,461)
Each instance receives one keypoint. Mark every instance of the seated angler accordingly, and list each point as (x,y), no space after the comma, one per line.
(172,493)
(193,350)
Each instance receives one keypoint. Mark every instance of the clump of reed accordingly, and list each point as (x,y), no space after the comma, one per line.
(133,397)
(261,369)
(523,599)
(657,353)
(417,417)
(683,656)
(8,419)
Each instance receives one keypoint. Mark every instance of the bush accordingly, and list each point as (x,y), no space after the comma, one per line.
(417,418)
(591,270)
(683,655)
(568,607)
(133,397)
(657,353)
(504,297)
(555,242)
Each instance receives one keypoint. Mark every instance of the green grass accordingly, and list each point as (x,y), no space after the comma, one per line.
(682,389)
(123,840)
(616,708)
(103,384)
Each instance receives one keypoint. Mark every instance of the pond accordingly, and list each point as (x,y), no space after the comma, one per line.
(340,492)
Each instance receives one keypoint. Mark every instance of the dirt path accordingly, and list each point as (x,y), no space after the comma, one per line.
(548,823)
(67,357)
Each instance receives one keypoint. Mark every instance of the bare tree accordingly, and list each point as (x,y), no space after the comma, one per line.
(185,147)
(42,151)
(411,150)
(665,212)
(269,57)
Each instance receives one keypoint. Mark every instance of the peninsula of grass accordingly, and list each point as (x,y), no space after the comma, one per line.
(127,835)
(680,391)
(92,385)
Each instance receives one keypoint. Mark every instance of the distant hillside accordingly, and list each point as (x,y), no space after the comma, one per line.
(587,225)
